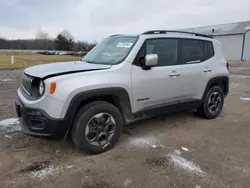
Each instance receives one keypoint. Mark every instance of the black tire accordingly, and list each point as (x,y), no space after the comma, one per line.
(203,110)
(81,120)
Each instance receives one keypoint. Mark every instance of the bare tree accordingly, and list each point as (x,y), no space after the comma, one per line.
(43,40)
(42,35)
(65,33)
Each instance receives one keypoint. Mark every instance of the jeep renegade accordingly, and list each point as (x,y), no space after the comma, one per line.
(123,78)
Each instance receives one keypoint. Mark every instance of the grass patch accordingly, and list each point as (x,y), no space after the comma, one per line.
(23,60)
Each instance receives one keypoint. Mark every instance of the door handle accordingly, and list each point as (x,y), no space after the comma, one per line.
(174,73)
(207,70)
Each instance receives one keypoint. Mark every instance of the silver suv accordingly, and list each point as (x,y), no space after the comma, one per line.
(123,78)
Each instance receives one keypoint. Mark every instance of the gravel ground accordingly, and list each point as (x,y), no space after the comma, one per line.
(179,150)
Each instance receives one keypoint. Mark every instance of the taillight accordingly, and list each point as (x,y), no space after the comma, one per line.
(228,66)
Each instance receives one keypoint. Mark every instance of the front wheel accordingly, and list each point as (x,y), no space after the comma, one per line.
(212,104)
(97,127)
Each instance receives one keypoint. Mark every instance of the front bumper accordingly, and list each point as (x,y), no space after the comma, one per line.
(36,122)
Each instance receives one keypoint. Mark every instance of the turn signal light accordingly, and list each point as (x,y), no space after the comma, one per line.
(52,87)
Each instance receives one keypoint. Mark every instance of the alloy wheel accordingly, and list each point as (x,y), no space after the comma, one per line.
(100,129)
(214,102)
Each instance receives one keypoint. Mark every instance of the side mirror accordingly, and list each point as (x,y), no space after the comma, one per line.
(151,60)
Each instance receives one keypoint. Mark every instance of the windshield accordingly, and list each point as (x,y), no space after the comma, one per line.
(111,50)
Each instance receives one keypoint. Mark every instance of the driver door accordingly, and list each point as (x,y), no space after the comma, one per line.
(156,86)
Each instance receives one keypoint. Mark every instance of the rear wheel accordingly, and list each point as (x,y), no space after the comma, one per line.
(212,104)
(97,127)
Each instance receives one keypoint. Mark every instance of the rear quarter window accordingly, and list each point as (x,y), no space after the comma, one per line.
(209,49)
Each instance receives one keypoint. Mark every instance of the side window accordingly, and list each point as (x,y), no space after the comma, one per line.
(209,49)
(193,51)
(166,49)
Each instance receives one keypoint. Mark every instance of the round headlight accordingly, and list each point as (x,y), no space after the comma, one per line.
(41,88)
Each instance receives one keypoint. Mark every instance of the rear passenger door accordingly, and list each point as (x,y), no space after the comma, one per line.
(195,68)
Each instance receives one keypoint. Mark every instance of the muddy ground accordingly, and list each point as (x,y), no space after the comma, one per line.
(179,150)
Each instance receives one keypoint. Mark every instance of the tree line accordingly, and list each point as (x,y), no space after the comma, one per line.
(64,41)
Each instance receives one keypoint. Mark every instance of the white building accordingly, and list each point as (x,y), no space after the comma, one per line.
(234,37)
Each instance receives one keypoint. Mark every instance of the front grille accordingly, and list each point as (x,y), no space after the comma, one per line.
(27,84)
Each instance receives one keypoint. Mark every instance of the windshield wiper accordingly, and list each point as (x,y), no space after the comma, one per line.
(92,62)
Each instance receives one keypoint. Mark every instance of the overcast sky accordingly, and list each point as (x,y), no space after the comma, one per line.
(94,19)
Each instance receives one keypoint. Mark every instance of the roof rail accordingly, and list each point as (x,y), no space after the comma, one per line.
(114,35)
(175,31)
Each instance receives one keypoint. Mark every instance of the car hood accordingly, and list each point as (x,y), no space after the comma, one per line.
(56,69)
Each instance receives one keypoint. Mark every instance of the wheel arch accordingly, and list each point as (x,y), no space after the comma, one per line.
(117,96)
(222,81)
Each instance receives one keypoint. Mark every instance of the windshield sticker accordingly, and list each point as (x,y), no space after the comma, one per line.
(110,54)
(124,45)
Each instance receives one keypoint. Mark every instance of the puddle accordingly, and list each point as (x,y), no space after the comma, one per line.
(10,125)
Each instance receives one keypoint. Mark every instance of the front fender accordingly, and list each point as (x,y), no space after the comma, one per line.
(120,95)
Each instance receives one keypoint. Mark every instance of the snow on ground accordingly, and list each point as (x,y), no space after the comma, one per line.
(44,173)
(177,152)
(6,80)
(239,68)
(178,161)
(239,76)
(245,98)
(10,125)
(144,142)
(70,166)
(184,149)
(235,84)
(127,182)
(8,136)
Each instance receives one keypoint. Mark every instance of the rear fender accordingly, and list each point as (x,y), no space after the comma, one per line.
(222,81)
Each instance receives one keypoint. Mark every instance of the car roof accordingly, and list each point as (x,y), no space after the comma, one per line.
(175,31)
(165,33)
